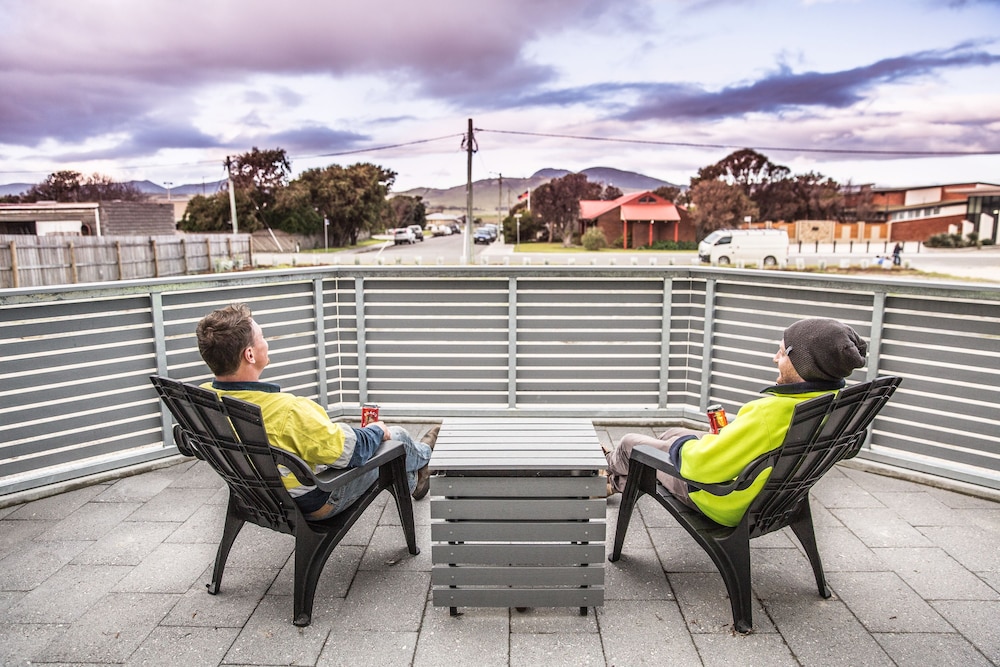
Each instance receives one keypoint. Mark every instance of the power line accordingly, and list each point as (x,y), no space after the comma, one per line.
(756,148)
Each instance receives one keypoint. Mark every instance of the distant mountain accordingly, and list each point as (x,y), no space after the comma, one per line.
(486,195)
(151,188)
(147,187)
(14,188)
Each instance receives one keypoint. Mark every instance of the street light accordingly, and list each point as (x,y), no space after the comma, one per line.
(168,184)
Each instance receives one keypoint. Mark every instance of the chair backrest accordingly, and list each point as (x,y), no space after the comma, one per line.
(229,434)
(823,431)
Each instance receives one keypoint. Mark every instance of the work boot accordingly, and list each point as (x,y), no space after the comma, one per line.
(424,474)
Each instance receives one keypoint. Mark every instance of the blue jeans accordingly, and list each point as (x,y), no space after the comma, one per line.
(418,454)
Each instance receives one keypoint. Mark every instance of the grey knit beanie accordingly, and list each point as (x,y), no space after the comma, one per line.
(824,349)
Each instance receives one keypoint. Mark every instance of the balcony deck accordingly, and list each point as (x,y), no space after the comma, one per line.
(114,573)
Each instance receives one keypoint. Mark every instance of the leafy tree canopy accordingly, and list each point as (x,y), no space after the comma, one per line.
(557,203)
(72,186)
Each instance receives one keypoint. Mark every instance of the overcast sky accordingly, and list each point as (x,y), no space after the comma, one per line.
(165,90)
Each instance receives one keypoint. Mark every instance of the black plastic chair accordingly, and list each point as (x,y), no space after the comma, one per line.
(229,435)
(823,431)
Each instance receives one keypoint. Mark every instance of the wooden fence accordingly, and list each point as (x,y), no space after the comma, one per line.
(36,261)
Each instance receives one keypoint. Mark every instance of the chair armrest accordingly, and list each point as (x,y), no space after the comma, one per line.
(655,458)
(333,478)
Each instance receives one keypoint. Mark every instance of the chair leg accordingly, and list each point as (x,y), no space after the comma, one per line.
(312,550)
(731,556)
(803,528)
(232,528)
(404,503)
(630,496)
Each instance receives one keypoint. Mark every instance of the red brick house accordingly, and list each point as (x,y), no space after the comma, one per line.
(637,219)
(916,214)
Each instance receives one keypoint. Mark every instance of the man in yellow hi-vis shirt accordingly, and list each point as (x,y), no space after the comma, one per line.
(234,347)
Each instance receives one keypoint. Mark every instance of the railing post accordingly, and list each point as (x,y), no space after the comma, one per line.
(668,297)
(512,342)
(320,333)
(359,307)
(706,345)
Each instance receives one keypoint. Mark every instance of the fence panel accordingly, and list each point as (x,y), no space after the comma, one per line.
(625,345)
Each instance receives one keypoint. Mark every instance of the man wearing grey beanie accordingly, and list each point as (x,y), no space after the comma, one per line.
(814,357)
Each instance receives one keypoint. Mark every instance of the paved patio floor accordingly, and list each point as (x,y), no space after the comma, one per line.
(115,573)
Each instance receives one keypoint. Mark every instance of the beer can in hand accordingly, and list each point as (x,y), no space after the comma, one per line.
(369,414)
(716,417)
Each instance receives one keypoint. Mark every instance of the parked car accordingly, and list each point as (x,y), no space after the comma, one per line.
(482,235)
(455,229)
(403,235)
(493,230)
(418,232)
(440,230)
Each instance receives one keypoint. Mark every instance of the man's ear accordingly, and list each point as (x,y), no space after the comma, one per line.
(248,355)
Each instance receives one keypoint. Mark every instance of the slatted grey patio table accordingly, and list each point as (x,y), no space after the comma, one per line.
(518,514)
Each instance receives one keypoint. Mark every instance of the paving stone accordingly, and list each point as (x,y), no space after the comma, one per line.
(198,475)
(479,636)
(840,550)
(836,490)
(920,509)
(334,582)
(15,534)
(56,507)
(878,484)
(388,549)
(879,527)
(935,575)
(976,621)
(66,595)
(678,552)
(638,575)
(269,638)
(259,547)
(126,544)
(191,647)
(931,649)
(645,633)
(782,573)
(169,568)
(355,648)
(23,643)
(91,521)
(6,511)
(569,649)
(172,504)
(242,589)
(960,500)
(35,562)
(136,488)
(974,548)
(824,633)
(705,604)
(111,630)
(728,649)
(885,603)
(552,620)
(205,525)
(387,599)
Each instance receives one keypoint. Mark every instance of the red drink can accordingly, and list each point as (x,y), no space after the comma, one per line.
(369,414)
(716,417)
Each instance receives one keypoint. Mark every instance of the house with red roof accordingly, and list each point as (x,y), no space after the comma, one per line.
(637,219)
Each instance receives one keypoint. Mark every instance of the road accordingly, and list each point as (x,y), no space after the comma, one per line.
(980,264)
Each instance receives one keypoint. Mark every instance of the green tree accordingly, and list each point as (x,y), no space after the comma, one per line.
(259,175)
(746,168)
(404,210)
(668,192)
(72,186)
(611,192)
(557,203)
(352,199)
(206,214)
(718,205)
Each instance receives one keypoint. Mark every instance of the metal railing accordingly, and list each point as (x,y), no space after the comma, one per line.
(630,345)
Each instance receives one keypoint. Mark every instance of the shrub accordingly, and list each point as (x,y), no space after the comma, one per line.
(593,239)
(672,245)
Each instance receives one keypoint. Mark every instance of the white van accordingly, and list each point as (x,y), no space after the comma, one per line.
(764,247)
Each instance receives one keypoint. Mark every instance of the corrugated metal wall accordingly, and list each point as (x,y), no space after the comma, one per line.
(623,345)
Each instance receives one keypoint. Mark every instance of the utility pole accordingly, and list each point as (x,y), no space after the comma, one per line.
(500,206)
(470,149)
(232,193)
